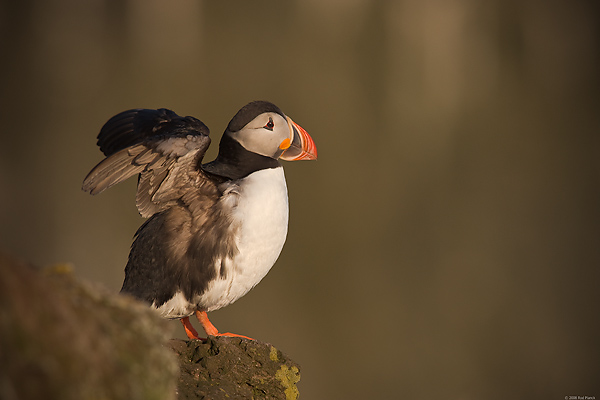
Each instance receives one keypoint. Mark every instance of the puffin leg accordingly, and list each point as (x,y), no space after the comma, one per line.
(189,329)
(210,329)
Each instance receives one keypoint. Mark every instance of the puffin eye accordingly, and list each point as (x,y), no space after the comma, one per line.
(269,124)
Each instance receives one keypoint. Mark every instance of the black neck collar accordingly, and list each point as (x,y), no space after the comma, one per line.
(235,162)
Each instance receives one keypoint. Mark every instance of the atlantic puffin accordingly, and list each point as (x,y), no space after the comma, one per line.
(214,230)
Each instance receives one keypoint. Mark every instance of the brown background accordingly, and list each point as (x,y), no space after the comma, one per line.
(446,244)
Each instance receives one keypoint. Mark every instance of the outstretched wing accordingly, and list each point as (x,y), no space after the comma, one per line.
(164,148)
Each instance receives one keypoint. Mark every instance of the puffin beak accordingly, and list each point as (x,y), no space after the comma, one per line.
(301,146)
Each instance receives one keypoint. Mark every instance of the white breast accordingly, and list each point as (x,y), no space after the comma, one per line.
(259,207)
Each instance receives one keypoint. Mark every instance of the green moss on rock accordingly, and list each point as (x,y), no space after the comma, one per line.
(236,368)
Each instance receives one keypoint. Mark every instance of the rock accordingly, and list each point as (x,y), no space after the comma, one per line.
(64,339)
(234,368)
(61,338)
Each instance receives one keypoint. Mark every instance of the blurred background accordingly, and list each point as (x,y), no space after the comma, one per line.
(446,244)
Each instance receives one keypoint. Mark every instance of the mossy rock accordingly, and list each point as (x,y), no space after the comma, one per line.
(234,368)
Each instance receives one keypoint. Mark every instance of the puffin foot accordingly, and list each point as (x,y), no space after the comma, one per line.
(189,329)
(210,329)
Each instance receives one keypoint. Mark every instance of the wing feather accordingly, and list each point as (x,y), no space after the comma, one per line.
(159,145)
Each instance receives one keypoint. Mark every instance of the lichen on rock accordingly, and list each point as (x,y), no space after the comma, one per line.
(225,367)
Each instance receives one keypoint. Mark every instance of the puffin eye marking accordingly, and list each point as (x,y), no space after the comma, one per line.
(269,124)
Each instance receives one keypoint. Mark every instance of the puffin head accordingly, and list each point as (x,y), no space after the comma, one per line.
(262,128)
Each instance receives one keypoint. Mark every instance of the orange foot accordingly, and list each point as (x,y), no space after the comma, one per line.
(209,328)
(189,329)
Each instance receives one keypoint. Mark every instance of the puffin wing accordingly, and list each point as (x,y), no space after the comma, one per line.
(164,148)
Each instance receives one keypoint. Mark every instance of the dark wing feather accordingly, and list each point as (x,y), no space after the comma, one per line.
(159,145)
(135,126)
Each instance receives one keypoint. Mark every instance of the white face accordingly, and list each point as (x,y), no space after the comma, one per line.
(268,134)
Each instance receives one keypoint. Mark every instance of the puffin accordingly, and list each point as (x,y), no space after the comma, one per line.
(213,230)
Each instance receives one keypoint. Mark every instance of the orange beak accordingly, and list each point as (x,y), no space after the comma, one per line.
(302,147)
